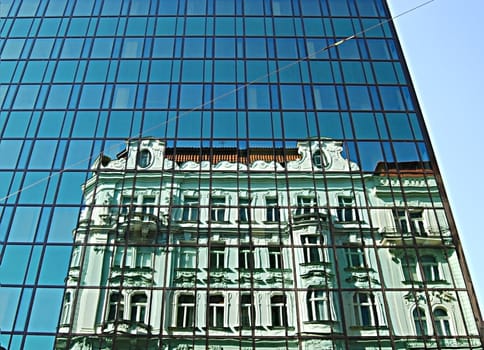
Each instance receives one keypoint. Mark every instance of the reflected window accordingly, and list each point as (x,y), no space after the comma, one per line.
(365,309)
(246,310)
(275,257)
(272,209)
(116,307)
(355,257)
(190,209)
(144,158)
(138,307)
(305,205)
(320,160)
(188,257)
(217,211)
(279,311)
(148,207)
(217,256)
(185,317)
(442,322)
(244,210)
(409,266)
(420,321)
(409,222)
(216,311)
(345,210)
(317,304)
(430,268)
(312,250)
(66,309)
(246,257)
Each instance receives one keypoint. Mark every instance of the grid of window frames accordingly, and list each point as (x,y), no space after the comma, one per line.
(236,260)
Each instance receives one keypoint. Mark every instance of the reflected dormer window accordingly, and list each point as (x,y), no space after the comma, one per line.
(319,159)
(144,158)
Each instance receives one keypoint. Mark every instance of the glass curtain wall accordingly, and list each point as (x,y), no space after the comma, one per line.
(276,190)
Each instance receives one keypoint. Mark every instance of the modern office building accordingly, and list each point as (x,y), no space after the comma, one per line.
(220,174)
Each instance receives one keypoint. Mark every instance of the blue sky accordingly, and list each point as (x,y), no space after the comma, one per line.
(443,45)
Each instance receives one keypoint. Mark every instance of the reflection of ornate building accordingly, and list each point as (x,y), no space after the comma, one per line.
(257,248)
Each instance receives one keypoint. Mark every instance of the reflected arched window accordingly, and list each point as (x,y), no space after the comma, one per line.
(144,158)
(420,321)
(441,322)
(138,307)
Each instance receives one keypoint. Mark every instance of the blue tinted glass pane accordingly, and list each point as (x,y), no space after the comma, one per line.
(78,26)
(254,26)
(65,71)
(54,265)
(43,154)
(91,96)
(255,48)
(10,150)
(193,71)
(72,48)
(12,48)
(160,71)
(46,301)
(165,26)
(119,124)
(26,96)
(295,125)
(136,26)
(321,72)
(392,98)
(24,224)
(353,72)
(34,187)
(97,71)
(102,47)
(358,97)
(292,97)
(85,124)
(190,125)
(310,8)
(286,48)
(163,47)
(260,125)
(224,71)
(325,97)
(370,155)
(157,96)
(253,7)
(399,126)
(20,27)
(225,26)
(224,96)
(258,97)
(225,47)
(195,26)
(330,125)
(51,124)
(9,298)
(194,47)
(365,126)
(62,218)
(58,97)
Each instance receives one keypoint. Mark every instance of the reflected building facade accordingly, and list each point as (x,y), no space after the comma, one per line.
(276,190)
